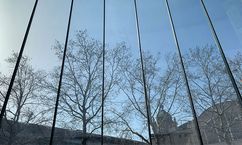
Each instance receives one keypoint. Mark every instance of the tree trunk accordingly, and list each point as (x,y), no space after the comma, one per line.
(84,128)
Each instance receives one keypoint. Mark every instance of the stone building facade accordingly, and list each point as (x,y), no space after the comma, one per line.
(219,124)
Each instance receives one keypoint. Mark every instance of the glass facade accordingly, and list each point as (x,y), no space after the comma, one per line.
(121,72)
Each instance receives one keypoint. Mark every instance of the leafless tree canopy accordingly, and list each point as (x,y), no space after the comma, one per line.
(80,102)
(33,96)
(25,105)
(213,91)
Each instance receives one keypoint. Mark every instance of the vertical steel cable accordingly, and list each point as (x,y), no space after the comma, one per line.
(185,75)
(17,64)
(103,69)
(61,74)
(216,39)
(143,71)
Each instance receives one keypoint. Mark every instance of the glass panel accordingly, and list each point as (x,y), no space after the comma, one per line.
(213,94)
(28,118)
(227,19)
(14,19)
(171,117)
(29,114)
(125,124)
(79,111)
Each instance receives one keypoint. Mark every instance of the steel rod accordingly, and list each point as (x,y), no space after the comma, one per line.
(198,131)
(143,71)
(61,75)
(103,70)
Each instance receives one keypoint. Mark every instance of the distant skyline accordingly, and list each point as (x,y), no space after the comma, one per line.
(51,17)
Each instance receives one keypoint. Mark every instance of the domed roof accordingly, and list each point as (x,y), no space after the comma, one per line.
(165,121)
(164,116)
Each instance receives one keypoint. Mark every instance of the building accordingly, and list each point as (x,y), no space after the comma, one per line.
(39,135)
(219,124)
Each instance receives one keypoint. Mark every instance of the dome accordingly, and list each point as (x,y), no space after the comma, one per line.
(165,121)
(164,116)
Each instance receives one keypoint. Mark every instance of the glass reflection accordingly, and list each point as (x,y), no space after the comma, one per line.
(29,114)
(170,110)
(10,32)
(212,91)
(126,123)
(79,110)
(228,15)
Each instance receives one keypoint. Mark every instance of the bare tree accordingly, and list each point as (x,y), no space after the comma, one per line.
(24,105)
(236,66)
(80,100)
(164,89)
(213,93)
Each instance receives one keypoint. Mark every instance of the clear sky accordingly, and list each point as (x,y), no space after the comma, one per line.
(51,17)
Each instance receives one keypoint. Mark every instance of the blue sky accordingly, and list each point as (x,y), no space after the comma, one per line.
(50,23)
